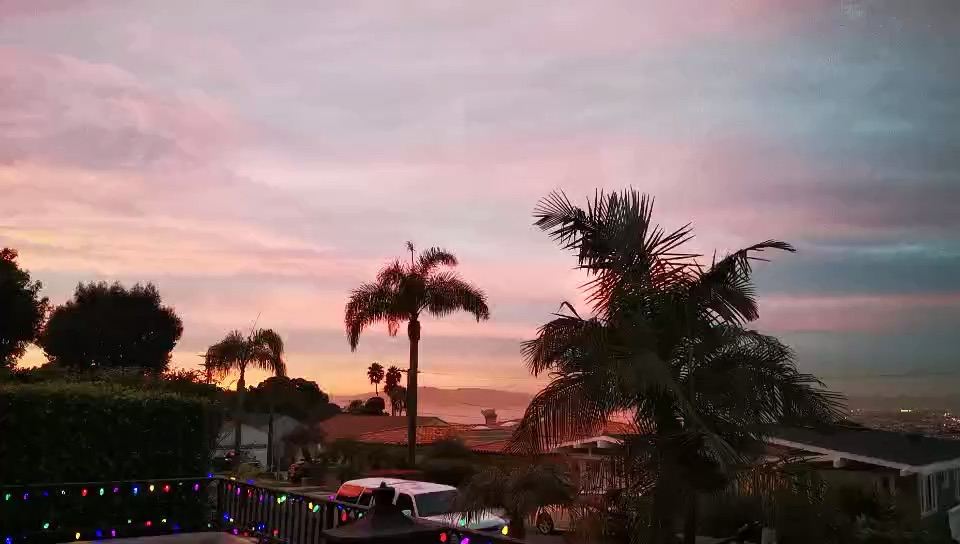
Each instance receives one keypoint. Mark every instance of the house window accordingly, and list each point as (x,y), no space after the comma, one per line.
(928,493)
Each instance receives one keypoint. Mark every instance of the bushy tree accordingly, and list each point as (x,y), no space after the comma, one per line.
(22,309)
(108,325)
(298,398)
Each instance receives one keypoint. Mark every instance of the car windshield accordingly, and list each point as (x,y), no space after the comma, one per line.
(435,503)
(349,493)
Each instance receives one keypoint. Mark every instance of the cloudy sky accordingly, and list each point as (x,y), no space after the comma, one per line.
(263,158)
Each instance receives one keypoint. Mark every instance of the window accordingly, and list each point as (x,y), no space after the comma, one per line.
(404,502)
(435,503)
(928,493)
(349,493)
(365,498)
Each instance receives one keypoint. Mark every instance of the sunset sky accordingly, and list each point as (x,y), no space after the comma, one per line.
(263,158)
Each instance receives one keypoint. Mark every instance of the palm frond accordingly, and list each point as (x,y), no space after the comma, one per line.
(446,293)
(266,351)
(371,303)
(433,257)
(226,355)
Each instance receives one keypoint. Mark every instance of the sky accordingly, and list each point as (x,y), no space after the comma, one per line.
(257,160)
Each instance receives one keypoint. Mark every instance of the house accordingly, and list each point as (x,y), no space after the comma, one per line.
(255,434)
(489,438)
(921,473)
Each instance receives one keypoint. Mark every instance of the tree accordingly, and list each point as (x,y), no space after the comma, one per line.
(398,400)
(22,309)
(665,343)
(392,378)
(109,326)
(298,398)
(375,406)
(403,292)
(262,348)
(375,374)
(520,491)
(356,407)
(304,437)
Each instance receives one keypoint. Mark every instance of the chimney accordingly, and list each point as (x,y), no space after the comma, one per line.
(489,417)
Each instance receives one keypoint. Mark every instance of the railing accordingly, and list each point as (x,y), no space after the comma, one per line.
(40,513)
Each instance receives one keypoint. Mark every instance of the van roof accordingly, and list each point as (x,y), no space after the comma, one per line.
(412,487)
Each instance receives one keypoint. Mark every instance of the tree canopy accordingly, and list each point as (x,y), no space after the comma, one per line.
(22,309)
(296,397)
(108,325)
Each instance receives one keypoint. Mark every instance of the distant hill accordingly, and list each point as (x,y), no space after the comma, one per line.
(895,402)
(461,405)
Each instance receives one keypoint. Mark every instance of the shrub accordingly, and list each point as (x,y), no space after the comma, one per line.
(75,432)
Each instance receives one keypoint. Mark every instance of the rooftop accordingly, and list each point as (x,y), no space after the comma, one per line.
(352,426)
(886,448)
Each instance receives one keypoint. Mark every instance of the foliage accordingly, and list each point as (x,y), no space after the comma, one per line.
(665,343)
(112,326)
(355,407)
(392,378)
(262,348)
(375,406)
(402,292)
(375,375)
(22,309)
(304,437)
(519,491)
(298,398)
(449,461)
(398,400)
(189,383)
(69,432)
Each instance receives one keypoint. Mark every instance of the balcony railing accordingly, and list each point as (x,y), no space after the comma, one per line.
(63,512)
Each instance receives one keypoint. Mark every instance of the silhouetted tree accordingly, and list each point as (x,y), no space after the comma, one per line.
(22,309)
(392,378)
(402,292)
(375,374)
(355,407)
(398,400)
(296,397)
(107,326)
(375,406)
(263,349)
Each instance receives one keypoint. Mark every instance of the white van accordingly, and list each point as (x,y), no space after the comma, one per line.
(420,500)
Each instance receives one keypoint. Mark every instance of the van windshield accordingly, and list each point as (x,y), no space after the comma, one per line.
(435,503)
(349,493)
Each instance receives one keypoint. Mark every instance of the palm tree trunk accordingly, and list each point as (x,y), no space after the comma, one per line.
(271,461)
(238,416)
(690,519)
(413,332)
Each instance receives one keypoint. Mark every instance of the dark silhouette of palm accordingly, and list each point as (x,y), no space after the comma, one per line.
(375,375)
(392,378)
(404,291)
(664,342)
(262,348)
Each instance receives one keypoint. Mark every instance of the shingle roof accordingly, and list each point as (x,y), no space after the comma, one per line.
(426,434)
(892,447)
(352,426)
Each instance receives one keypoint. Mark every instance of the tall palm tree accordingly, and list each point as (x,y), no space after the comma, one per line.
(665,342)
(262,348)
(404,291)
(375,374)
(398,399)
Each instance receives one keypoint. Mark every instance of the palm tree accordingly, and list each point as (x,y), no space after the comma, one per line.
(519,491)
(375,374)
(392,378)
(398,399)
(402,292)
(665,343)
(262,348)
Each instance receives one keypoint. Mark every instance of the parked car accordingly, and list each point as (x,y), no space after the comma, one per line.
(557,518)
(425,500)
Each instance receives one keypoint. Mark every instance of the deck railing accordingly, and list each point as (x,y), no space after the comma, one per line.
(63,512)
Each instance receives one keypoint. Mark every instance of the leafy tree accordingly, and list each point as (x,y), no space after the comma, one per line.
(355,407)
(375,406)
(298,398)
(375,374)
(107,326)
(305,436)
(520,491)
(22,309)
(665,343)
(402,292)
(262,348)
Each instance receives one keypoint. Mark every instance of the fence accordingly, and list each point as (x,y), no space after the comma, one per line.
(63,512)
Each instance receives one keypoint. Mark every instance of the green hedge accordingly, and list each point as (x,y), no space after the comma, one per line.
(84,432)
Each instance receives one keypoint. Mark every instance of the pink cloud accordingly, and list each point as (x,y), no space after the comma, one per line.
(849,313)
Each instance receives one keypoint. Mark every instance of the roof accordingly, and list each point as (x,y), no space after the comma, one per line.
(409,486)
(479,438)
(911,452)
(352,426)
(426,434)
